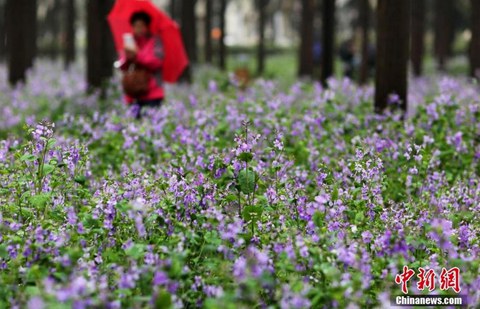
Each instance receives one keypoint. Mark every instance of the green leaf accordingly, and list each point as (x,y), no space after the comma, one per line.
(51,143)
(263,202)
(40,200)
(80,179)
(27,157)
(123,206)
(212,238)
(65,305)
(252,213)
(35,272)
(329,270)
(359,217)
(247,179)
(163,186)
(124,292)
(32,291)
(335,193)
(301,154)
(319,219)
(75,253)
(110,256)
(211,303)
(89,222)
(60,276)
(142,299)
(245,156)
(136,251)
(231,198)
(3,251)
(48,169)
(175,268)
(164,300)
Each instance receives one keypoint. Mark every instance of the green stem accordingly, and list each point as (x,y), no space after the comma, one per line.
(40,168)
(253,227)
(239,204)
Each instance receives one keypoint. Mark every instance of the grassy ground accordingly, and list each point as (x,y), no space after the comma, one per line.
(283,65)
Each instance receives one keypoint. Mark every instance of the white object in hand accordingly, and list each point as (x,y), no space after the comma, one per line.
(129,41)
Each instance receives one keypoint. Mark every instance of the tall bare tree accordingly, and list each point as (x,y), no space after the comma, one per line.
(189,29)
(364,21)
(18,13)
(31,35)
(189,33)
(70,19)
(52,26)
(418,36)
(208,30)
(262,4)
(100,49)
(328,46)
(305,67)
(3,32)
(393,42)
(222,46)
(444,30)
(475,42)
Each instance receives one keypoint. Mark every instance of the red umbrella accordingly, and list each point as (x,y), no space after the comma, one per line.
(176,59)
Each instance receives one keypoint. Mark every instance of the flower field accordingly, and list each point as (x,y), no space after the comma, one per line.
(279,196)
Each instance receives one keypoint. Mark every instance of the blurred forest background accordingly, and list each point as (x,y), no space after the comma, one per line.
(281,39)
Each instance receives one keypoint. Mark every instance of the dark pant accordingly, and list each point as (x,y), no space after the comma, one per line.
(140,104)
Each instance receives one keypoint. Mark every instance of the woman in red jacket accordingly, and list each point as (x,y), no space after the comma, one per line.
(146,53)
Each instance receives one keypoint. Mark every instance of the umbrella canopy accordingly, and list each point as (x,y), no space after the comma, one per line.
(175,59)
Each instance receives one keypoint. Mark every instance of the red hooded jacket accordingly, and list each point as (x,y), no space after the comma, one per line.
(150,57)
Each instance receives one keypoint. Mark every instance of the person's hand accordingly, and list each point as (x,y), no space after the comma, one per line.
(130,53)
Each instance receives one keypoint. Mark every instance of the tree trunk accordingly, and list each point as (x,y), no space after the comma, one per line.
(261,37)
(189,29)
(189,34)
(3,36)
(31,35)
(17,30)
(53,25)
(393,31)
(418,36)
(475,42)
(94,43)
(70,18)
(208,31)
(222,47)
(100,49)
(365,28)
(271,21)
(328,39)
(443,31)
(305,67)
